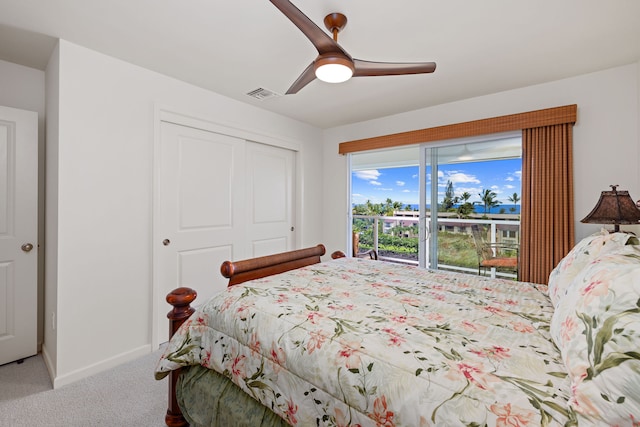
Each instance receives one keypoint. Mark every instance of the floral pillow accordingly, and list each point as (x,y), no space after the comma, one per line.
(596,326)
(582,254)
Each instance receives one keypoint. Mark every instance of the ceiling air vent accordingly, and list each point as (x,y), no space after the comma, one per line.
(262,94)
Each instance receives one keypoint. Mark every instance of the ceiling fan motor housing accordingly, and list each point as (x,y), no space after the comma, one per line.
(335,22)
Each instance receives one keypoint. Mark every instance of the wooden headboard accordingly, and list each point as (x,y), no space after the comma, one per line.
(256,268)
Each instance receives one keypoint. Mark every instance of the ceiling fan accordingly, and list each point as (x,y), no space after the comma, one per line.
(333,63)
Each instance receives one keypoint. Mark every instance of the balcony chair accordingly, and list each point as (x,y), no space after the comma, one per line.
(494,255)
(356,246)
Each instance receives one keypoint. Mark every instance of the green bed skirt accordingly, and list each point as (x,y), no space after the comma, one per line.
(208,399)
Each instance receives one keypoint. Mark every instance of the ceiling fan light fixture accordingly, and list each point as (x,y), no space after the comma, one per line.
(466,154)
(333,68)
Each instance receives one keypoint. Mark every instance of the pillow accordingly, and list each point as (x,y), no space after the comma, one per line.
(582,254)
(596,326)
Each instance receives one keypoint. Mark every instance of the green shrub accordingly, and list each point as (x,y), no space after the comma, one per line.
(454,248)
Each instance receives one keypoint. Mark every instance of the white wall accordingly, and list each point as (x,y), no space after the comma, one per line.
(50,346)
(104,151)
(23,87)
(606,138)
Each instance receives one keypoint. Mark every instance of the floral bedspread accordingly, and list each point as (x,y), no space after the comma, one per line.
(361,342)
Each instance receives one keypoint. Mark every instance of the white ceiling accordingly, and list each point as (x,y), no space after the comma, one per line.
(233,47)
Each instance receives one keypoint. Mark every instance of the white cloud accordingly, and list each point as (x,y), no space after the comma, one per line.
(375,183)
(367,175)
(514,175)
(358,198)
(459,177)
(456,177)
(400,183)
(509,187)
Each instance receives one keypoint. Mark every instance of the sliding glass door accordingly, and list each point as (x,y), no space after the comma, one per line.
(385,203)
(424,202)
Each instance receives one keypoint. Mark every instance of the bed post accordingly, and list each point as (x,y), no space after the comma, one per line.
(180,299)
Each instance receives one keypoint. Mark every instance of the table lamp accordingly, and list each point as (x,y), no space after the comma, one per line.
(614,207)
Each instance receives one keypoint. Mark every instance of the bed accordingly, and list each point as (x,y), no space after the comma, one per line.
(358,342)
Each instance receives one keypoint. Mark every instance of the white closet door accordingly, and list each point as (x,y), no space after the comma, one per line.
(18,234)
(200,215)
(270,190)
(219,198)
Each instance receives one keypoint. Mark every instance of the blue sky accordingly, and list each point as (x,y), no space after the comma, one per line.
(401,184)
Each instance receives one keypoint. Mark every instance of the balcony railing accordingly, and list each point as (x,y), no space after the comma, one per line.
(396,239)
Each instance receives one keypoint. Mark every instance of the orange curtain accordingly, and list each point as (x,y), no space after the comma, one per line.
(546,227)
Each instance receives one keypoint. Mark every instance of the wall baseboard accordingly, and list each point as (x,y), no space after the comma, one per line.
(48,363)
(96,368)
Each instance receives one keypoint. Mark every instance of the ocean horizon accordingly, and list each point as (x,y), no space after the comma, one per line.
(479,209)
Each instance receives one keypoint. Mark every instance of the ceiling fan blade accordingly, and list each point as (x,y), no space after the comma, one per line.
(307,76)
(320,39)
(369,68)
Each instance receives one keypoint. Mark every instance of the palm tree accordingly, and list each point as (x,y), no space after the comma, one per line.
(514,199)
(465,208)
(370,208)
(387,208)
(488,198)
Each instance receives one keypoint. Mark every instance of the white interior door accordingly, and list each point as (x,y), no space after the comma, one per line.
(18,234)
(270,190)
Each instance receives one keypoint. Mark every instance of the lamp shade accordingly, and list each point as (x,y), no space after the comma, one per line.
(614,207)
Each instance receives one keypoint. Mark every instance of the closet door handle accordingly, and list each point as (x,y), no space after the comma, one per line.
(166,242)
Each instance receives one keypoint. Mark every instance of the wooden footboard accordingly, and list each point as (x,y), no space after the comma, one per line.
(237,272)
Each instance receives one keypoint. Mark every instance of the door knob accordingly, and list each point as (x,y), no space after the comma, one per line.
(166,242)
(27,247)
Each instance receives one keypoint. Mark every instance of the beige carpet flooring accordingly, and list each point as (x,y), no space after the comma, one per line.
(127,395)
